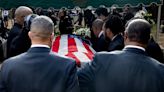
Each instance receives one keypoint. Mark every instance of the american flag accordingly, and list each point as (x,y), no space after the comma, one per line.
(74,47)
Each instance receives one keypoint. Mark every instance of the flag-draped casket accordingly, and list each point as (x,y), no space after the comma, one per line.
(75,47)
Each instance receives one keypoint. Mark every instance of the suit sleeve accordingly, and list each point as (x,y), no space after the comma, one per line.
(72,84)
(86,76)
(2,80)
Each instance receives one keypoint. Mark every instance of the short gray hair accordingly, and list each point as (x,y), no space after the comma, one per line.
(98,23)
(42,26)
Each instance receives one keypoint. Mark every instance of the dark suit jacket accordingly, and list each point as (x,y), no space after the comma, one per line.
(13,33)
(38,71)
(20,44)
(1,52)
(101,44)
(117,43)
(129,70)
(153,50)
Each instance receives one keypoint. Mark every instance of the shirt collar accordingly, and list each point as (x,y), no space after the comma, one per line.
(114,37)
(100,34)
(39,45)
(133,46)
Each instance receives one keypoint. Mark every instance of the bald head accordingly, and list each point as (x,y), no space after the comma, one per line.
(42,27)
(22,12)
(138,30)
(97,26)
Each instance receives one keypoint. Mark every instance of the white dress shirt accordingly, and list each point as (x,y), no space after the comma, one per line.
(114,37)
(133,46)
(101,33)
(39,45)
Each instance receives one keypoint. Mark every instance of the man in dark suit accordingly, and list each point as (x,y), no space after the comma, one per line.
(100,43)
(38,70)
(129,70)
(127,14)
(22,42)
(153,50)
(20,14)
(113,28)
(102,13)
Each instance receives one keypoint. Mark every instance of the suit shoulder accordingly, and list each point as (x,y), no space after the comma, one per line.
(154,61)
(17,57)
(109,53)
(153,64)
(13,60)
(61,57)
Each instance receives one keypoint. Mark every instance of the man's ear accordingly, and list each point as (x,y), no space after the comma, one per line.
(125,37)
(52,37)
(30,34)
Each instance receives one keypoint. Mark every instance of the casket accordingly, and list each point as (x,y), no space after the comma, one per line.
(74,47)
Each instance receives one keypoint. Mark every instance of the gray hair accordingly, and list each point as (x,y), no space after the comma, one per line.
(98,23)
(22,9)
(42,26)
(138,30)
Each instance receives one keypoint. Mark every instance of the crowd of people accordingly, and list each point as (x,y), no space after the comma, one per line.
(120,55)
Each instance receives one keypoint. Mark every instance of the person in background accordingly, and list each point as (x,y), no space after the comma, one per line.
(80,17)
(20,13)
(129,70)
(127,14)
(154,50)
(2,27)
(102,13)
(3,37)
(113,28)
(22,42)
(88,18)
(65,24)
(39,11)
(51,14)
(38,69)
(12,15)
(114,11)
(5,16)
(100,43)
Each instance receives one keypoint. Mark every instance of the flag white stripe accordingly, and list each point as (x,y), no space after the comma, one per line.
(80,46)
(93,51)
(63,45)
(82,57)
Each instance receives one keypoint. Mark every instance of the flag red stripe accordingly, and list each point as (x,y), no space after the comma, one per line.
(74,57)
(90,53)
(56,44)
(72,45)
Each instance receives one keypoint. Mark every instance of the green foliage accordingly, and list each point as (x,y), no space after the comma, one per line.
(72,3)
